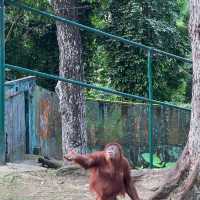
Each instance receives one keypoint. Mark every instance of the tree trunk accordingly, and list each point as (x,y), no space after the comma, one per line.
(194,28)
(72,101)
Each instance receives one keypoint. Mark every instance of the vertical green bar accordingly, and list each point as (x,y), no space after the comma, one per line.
(150,111)
(2,80)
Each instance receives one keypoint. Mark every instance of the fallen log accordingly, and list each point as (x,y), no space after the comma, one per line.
(49,163)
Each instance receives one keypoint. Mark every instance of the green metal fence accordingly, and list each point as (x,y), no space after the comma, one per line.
(3,66)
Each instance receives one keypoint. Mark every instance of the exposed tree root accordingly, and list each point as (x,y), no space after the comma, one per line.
(188,182)
(171,184)
(174,178)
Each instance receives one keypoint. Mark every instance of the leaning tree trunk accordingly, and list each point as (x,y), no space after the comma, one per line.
(184,181)
(194,135)
(72,101)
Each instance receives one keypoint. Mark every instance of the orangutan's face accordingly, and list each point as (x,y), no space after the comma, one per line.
(112,152)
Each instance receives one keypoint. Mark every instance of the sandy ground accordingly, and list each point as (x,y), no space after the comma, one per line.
(27,181)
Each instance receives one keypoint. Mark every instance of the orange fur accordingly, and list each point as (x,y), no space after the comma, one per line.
(109,178)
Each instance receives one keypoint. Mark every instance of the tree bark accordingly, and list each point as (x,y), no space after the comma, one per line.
(194,28)
(72,101)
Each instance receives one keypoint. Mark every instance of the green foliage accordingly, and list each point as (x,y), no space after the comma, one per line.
(152,23)
(31,41)
(184,14)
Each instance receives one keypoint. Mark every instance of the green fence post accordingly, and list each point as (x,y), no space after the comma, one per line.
(2,81)
(150,111)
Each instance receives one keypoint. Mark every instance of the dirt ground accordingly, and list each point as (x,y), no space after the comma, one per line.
(28,181)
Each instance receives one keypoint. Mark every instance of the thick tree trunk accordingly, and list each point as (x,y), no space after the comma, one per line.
(72,101)
(194,135)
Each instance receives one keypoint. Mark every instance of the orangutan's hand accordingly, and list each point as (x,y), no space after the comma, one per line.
(71,155)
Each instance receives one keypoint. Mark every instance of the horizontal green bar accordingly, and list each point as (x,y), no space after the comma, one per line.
(172,56)
(101,33)
(86,85)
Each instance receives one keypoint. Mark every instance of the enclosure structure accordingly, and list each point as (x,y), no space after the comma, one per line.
(19,118)
(33,126)
(150,51)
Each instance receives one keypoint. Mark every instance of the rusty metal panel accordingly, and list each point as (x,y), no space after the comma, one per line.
(48,123)
(15,127)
